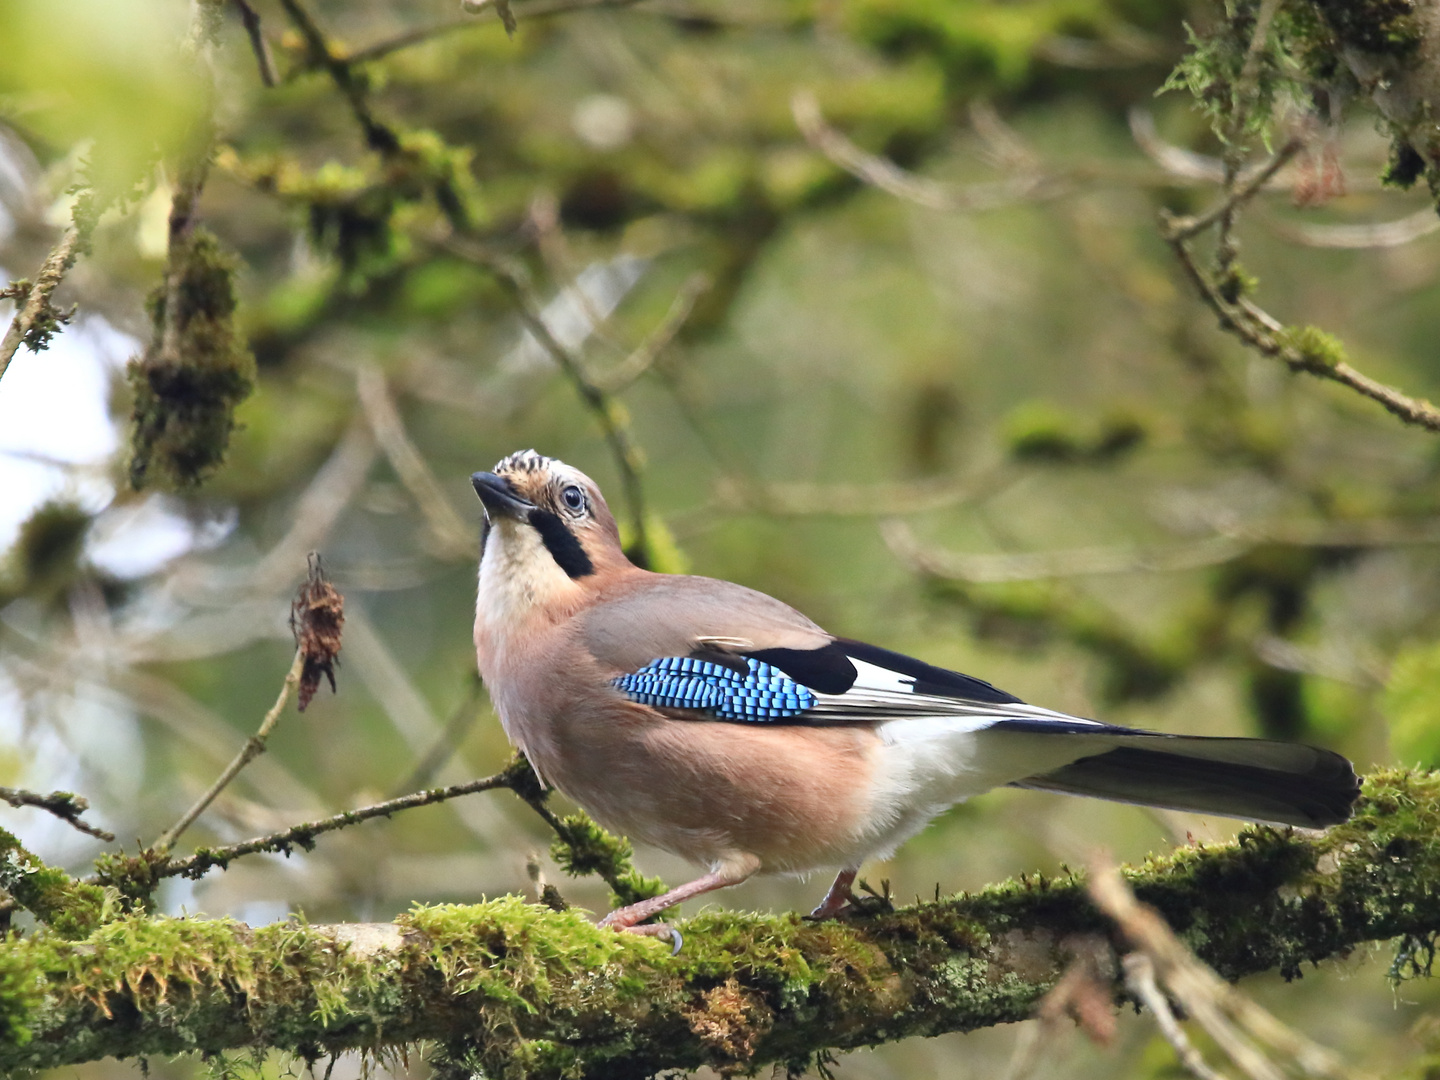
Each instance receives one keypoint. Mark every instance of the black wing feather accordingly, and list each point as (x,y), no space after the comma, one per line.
(829,670)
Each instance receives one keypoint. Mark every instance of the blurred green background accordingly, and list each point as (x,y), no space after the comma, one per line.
(997,431)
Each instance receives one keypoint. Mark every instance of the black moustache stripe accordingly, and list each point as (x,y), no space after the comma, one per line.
(564,548)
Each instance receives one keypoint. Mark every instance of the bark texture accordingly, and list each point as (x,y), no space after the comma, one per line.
(523,991)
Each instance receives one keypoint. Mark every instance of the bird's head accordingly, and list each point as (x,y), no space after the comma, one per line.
(549,526)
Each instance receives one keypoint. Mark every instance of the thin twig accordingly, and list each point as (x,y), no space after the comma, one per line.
(890,178)
(799,499)
(1180,229)
(1160,558)
(64,805)
(1140,979)
(476,17)
(453,538)
(1248,82)
(608,412)
(303,835)
(37,303)
(253,748)
(258,45)
(1355,237)
(455,730)
(644,356)
(320,53)
(1229,1017)
(1262,331)
(543,219)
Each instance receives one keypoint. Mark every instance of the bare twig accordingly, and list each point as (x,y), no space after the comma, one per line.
(456,728)
(1159,558)
(1181,229)
(544,222)
(1266,334)
(253,748)
(321,54)
(1140,979)
(607,412)
(303,835)
(34,315)
(317,510)
(64,805)
(889,177)
(1030,566)
(1232,1019)
(798,499)
(1178,162)
(1379,234)
(316,618)
(452,537)
(250,18)
(476,17)
(644,356)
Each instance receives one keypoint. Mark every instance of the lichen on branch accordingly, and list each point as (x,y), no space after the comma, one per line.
(519,990)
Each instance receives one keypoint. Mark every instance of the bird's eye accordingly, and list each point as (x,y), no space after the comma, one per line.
(574,498)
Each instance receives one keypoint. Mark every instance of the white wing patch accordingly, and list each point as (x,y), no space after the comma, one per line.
(880,694)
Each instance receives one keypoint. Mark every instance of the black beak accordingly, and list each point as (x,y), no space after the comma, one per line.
(499,497)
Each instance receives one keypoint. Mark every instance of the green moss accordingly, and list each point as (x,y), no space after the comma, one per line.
(1318,351)
(70,908)
(515,990)
(132,876)
(583,847)
(196,370)
(513,952)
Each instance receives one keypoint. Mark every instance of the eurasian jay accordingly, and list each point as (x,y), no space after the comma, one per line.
(718,723)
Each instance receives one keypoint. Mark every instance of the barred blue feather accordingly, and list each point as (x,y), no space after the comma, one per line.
(683,682)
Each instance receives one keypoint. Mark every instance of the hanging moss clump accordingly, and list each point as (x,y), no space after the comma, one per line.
(195,372)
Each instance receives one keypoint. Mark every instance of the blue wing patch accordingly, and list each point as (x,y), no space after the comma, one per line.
(683,682)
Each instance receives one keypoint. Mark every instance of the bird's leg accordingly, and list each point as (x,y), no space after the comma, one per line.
(627,918)
(838,896)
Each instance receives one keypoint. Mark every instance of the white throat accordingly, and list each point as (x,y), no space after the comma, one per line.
(519,577)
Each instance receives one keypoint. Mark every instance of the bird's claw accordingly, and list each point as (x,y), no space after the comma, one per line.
(658,930)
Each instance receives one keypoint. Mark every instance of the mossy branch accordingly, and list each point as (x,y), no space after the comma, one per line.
(65,805)
(519,990)
(1301,349)
(37,321)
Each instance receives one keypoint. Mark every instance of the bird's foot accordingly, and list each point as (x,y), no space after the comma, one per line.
(833,905)
(659,930)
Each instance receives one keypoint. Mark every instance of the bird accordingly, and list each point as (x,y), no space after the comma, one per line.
(721,724)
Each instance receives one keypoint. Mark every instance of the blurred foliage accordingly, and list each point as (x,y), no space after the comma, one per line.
(1033,380)
(1412,704)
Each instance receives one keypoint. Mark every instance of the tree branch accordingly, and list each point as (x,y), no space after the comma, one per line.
(37,320)
(253,748)
(303,835)
(509,987)
(1180,229)
(608,412)
(250,19)
(1300,349)
(63,804)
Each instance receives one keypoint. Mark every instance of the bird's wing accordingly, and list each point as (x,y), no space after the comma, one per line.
(711,649)
(665,615)
(926,712)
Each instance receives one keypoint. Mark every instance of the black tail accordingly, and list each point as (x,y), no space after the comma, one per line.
(1255,779)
